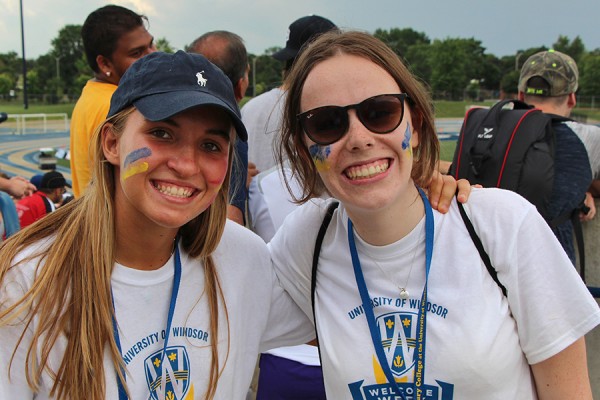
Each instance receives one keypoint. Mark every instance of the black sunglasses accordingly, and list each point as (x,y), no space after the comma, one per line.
(379,114)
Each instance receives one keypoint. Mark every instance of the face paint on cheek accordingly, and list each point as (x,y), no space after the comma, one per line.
(137,155)
(406,141)
(320,154)
(134,170)
(131,165)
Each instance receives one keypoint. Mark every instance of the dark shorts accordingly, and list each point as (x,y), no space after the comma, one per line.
(284,379)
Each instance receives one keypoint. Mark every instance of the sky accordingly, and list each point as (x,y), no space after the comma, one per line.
(503,27)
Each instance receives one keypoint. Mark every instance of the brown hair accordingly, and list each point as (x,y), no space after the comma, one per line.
(71,293)
(291,144)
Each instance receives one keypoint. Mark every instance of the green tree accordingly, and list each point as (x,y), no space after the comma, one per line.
(400,40)
(418,60)
(454,63)
(6,83)
(589,70)
(268,74)
(575,48)
(509,83)
(10,63)
(66,52)
(162,44)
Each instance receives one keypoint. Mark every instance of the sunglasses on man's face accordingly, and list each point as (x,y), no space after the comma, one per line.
(379,114)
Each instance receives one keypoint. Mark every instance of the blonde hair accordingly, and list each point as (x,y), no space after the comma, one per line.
(291,144)
(71,293)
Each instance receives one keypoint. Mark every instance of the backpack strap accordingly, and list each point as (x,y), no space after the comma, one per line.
(477,242)
(315,263)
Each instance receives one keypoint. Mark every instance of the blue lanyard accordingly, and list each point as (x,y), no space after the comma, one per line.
(174,292)
(419,372)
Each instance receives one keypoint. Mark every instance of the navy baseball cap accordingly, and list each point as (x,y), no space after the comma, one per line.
(300,32)
(161,85)
(53,180)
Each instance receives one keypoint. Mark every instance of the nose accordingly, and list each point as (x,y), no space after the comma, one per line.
(358,136)
(185,161)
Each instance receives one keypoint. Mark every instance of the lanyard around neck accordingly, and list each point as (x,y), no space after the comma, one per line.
(419,371)
(173,302)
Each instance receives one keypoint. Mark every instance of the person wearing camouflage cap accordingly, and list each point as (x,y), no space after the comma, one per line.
(548,81)
(558,70)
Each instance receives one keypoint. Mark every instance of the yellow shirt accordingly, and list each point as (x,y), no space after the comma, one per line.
(89,112)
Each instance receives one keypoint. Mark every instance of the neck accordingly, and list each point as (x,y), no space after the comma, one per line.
(144,252)
(103,79)
(390,224)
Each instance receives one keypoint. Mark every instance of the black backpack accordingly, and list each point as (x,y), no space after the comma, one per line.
(514,149)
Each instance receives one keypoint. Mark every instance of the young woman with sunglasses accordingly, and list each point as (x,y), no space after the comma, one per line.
(140,289)
(404,305)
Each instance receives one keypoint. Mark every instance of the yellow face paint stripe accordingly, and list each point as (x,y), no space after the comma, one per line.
(134,169)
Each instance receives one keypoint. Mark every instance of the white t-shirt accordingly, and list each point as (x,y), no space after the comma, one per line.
(269,201)
(262,117)
(479,343)
(261,316)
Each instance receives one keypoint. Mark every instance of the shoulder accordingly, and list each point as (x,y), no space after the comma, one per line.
(308,216)
(497,205)
(584,131)
(264,99)
(24,265)
(241,243)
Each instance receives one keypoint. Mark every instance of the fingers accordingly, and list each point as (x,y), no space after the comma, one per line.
(464,190)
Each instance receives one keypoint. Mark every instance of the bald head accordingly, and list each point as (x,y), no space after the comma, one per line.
(226,50)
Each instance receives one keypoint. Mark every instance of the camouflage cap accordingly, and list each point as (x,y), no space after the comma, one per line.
(556,68)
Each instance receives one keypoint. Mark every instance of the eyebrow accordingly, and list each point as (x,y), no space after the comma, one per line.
(140,48)
(217,132)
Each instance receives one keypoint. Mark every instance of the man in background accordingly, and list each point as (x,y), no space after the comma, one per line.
(548,81)
(227,51)
(262,114)
(113,38)
(43,201)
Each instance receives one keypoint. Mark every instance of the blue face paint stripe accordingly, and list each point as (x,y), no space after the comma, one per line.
(407,136)
(136,155)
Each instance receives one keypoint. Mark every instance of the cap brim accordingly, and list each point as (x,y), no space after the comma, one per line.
(285,54)
(160,106)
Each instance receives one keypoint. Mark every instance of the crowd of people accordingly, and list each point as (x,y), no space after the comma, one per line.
(188,253)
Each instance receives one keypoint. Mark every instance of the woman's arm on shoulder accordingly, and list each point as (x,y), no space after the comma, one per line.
(564,375)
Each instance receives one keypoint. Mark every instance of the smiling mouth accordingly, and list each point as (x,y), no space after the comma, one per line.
(367,171)
(174,191)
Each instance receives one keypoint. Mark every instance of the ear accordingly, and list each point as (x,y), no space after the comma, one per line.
(240,87)
(571,101)
(521,96)
(414,139)
(104,64)
(107,72)
(110,145)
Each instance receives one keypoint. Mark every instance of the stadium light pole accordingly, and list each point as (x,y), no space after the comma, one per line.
(25,102)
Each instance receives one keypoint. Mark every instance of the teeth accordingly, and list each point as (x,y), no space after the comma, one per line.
(364,171)
(174,191)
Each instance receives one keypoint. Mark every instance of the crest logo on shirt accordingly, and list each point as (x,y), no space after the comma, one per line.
(175,367)
(398,337)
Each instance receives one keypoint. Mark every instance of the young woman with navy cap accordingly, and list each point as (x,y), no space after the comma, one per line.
(141,289)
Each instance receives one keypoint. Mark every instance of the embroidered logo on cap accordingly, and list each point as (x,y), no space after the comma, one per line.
(201,79)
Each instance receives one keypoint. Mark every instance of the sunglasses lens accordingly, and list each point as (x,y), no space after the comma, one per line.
(325,125)
(381,114)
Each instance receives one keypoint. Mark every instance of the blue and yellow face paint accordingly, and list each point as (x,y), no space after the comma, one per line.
(131,166)
(406,141)
(320,155)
